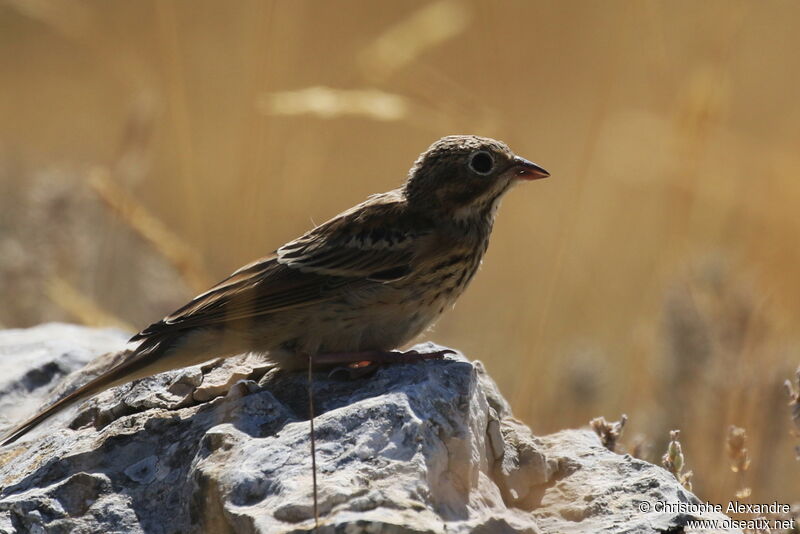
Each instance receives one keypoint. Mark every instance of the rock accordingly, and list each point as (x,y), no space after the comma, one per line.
(34,361)
(427,447)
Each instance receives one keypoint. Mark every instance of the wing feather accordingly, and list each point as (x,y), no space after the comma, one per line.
(374,237)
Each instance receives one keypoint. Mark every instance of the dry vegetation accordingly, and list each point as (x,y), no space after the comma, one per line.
(147,148)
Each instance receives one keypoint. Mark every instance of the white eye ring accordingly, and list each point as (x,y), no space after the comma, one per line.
(481,162)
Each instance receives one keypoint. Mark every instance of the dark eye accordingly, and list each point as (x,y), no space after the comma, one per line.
(481,162)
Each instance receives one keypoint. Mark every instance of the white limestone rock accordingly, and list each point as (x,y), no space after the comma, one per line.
(420,448)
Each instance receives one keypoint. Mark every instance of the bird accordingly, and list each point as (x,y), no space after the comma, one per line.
(352,289)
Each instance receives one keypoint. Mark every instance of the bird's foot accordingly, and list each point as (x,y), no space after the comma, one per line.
(359,364)
(378,356)
(353,371)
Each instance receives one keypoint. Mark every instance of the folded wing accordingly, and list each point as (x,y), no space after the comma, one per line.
(371,243)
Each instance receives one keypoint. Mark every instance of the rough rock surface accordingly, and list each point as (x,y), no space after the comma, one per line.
(224,447)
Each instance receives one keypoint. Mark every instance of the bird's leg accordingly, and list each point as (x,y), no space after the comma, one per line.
(377,356)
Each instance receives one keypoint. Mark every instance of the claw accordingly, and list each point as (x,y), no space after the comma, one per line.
(415,355)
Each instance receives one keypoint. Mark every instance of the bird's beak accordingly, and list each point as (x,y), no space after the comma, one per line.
(527,170)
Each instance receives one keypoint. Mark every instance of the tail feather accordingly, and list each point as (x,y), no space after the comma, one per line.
(25,427)
(125,371)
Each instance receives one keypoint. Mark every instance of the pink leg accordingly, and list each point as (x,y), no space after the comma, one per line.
(378,356)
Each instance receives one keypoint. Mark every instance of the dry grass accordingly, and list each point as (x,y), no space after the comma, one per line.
(655,274)
(81,308)
(609,431)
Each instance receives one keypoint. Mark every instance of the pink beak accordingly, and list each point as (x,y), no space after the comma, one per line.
(527,170)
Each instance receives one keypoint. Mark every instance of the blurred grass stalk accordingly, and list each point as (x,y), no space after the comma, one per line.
(134,214)
(328,103)
(401,44)
(85,310)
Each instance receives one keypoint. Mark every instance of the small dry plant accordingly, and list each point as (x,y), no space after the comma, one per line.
(793,389)
(609,431)
(739,456)
(674,462)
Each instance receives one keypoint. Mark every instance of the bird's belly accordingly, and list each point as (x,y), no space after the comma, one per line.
(384,317)
(381,328)
(377,322)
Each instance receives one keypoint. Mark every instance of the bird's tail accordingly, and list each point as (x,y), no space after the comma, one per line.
(133,366)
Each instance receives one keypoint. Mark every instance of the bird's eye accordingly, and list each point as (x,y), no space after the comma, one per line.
(481,162)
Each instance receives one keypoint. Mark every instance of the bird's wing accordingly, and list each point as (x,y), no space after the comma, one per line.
(375,240)
(370,243)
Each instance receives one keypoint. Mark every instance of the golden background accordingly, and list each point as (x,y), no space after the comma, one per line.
(147,149)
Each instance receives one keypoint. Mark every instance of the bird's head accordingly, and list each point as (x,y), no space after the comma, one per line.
(464,175)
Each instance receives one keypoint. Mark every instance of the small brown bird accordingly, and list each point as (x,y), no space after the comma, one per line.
(352,289)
